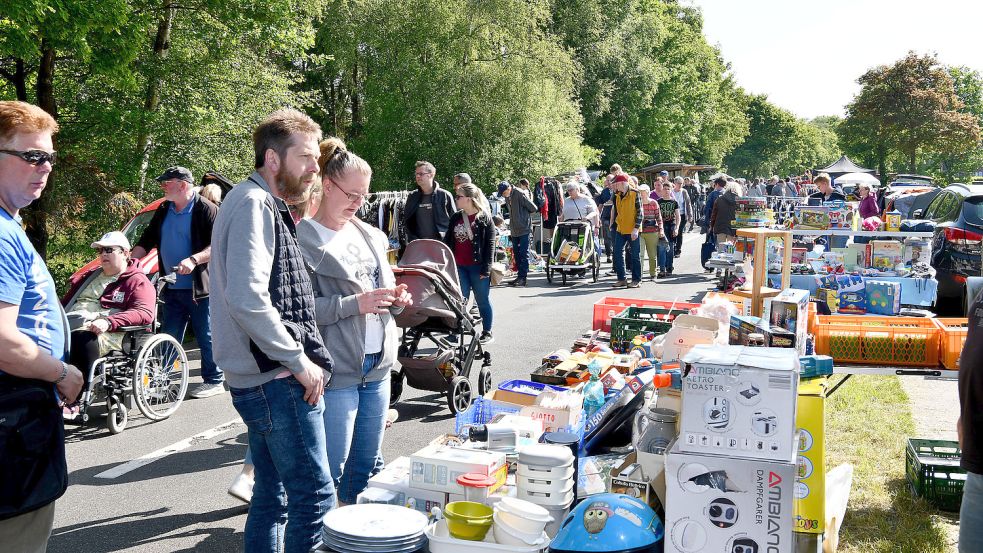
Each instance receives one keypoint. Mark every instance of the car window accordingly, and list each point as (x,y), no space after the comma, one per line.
(949,211)
(134,229)
(933,209)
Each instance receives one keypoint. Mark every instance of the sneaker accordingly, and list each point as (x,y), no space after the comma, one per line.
(620,284)
(520,283)
(70,412)
(662,274)
(668,271)
(634,284)
(512,283)
(242,488)
(207,390)
(486,338)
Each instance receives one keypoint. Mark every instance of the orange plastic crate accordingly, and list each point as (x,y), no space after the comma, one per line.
(892,341)
(952,338)
(608,307)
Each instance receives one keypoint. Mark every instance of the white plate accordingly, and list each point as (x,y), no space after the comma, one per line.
(373,520)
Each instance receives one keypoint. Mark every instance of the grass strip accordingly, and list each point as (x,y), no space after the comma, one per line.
(868,422)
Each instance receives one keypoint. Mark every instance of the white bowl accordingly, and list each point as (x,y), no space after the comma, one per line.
(506,535)
(520,524)
(523,509)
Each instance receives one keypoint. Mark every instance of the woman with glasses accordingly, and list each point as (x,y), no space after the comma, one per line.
(355,298)
(113,295)
(471,236)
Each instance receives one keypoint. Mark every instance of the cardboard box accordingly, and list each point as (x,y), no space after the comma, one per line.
(813,366)
(636,484)
(789,310)
(726,505)
(886,254)
(742,326)
(810,478)
(395,479)
(436,468)
(686,332)
(883,297)
(740,401)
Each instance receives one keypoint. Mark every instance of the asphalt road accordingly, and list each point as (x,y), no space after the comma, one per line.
(161,487)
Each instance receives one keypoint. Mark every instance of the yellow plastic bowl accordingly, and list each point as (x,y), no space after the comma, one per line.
(467,520)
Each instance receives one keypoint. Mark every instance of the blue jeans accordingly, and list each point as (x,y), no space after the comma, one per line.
(666,254)
(620,241)
(470,276)
(293,488)
(971,515)
(179,308)
(358,410)
(520,251)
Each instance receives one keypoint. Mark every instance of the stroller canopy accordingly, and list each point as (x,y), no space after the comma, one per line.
(430,274)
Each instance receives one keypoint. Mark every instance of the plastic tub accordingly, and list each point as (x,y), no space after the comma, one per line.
(535,484)
(442,542)
(546,499)
(541,473)
(507,535)
(467,520)
(523,523)
(558,512)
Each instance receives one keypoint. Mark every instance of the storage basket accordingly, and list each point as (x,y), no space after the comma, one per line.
(608,307)
(904,341)
(640,320)
(932,470)
(952,338)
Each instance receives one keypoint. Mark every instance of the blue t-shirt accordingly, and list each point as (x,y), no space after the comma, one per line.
(175,242)
(26,282)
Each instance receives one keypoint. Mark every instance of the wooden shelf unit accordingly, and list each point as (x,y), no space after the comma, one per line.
(759,263)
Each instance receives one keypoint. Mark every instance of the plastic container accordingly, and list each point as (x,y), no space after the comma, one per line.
(541,473)
(609,306)
(558,512)
(482,411)
(933,472)
(640,320)
(505,534)
(476,486)
(442,542)
(906,341)
(545,485)
(522,515)
(545,456)
(468,520)
(952,339)
(546,499)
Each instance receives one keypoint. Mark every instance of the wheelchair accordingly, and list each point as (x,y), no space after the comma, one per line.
(150,370)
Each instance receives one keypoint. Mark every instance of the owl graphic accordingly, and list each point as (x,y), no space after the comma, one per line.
(596,516)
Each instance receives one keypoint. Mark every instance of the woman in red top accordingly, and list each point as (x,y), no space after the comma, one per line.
(471,236)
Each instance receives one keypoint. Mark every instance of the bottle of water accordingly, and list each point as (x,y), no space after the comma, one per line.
(594,390)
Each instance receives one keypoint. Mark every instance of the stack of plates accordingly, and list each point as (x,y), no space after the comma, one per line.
(374,528)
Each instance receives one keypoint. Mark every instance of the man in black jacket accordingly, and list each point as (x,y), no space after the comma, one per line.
(181,230)
(429,207)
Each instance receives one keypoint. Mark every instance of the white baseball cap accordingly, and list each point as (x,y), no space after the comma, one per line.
(115,238)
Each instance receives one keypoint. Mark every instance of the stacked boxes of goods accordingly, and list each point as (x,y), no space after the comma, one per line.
(753,212)
(731,473)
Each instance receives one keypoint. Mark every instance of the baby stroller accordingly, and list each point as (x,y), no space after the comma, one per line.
(429,271)
(573,251)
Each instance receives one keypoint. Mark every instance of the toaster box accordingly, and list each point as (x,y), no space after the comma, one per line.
(392,485)
(717,504)
(740,402)
(437,467)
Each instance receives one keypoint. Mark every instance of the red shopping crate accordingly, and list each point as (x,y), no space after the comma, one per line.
(608,307)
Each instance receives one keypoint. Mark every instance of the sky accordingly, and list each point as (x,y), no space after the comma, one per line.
(806,55)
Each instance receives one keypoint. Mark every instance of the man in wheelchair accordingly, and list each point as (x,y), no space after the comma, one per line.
(115,295)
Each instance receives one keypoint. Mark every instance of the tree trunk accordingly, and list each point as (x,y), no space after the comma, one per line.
(912,166)
(356,107)
(882,163)
(36,215)
(145,140)
(20,80)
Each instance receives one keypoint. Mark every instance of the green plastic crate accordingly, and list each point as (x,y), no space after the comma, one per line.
(640,320)
(932,470)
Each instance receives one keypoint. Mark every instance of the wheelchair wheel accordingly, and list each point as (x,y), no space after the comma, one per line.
(160,377)
(116,415)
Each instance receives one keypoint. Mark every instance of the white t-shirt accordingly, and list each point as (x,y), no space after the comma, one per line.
(350,248)
(581,208)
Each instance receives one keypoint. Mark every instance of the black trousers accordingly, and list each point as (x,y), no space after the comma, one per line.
(85,351)
(679,235)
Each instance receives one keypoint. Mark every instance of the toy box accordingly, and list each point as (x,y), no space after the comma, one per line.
(437,467)
(742,326)
(812,217)
(854,256)
(851,295)
(789,310)
(883,297)
(739,401)
(886,254)
(810,474)
(726,505)
(840,214)
(917,250)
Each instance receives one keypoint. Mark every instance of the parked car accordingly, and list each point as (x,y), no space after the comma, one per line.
(957,215)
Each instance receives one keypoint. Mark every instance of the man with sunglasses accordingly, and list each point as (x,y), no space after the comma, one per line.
(181,231)
(429,207)
(33,333)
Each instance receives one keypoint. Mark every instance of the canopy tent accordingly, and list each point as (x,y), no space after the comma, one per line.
(841,167)
(648,174)
(857,178)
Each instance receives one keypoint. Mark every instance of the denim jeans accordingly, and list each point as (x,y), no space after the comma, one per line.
(293,488)
(620,241)
(971,515)
(358,410)
(665,255)
(520,251)
(179,308)
(470,276)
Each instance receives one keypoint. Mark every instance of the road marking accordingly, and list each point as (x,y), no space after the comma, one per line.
(129,466)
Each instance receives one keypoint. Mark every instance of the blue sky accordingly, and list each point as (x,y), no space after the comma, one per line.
(806,55)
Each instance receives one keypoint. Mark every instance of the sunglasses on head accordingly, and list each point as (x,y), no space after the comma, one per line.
(34,157)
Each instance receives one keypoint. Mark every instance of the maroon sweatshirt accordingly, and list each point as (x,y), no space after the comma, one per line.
(131,293)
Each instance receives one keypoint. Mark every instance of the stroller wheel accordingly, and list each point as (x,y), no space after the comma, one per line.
(395,387)
(459,394)
(484,381)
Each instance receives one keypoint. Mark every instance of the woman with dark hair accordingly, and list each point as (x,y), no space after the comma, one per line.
(471,236)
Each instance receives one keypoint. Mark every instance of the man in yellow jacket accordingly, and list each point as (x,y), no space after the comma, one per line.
(626,223)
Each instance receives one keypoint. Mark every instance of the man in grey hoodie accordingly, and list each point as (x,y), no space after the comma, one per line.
(266,339)
(521,209)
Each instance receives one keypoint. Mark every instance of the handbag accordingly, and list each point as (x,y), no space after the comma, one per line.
(497,273)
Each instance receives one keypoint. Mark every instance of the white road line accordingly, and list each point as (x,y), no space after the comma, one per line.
(129,466)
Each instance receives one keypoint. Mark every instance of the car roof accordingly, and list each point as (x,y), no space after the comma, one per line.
(966,189)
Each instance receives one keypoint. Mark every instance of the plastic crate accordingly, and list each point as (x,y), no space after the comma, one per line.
(481,412)
(640,320)
(932,470)
(608,307)
(893,341)
(952,338)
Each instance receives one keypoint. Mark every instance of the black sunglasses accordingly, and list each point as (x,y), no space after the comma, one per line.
(106,250)
(34,157)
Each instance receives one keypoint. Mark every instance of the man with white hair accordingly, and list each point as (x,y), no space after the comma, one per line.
(685,212)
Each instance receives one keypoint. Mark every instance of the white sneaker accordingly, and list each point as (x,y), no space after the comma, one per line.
(242,488)
(207,390)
